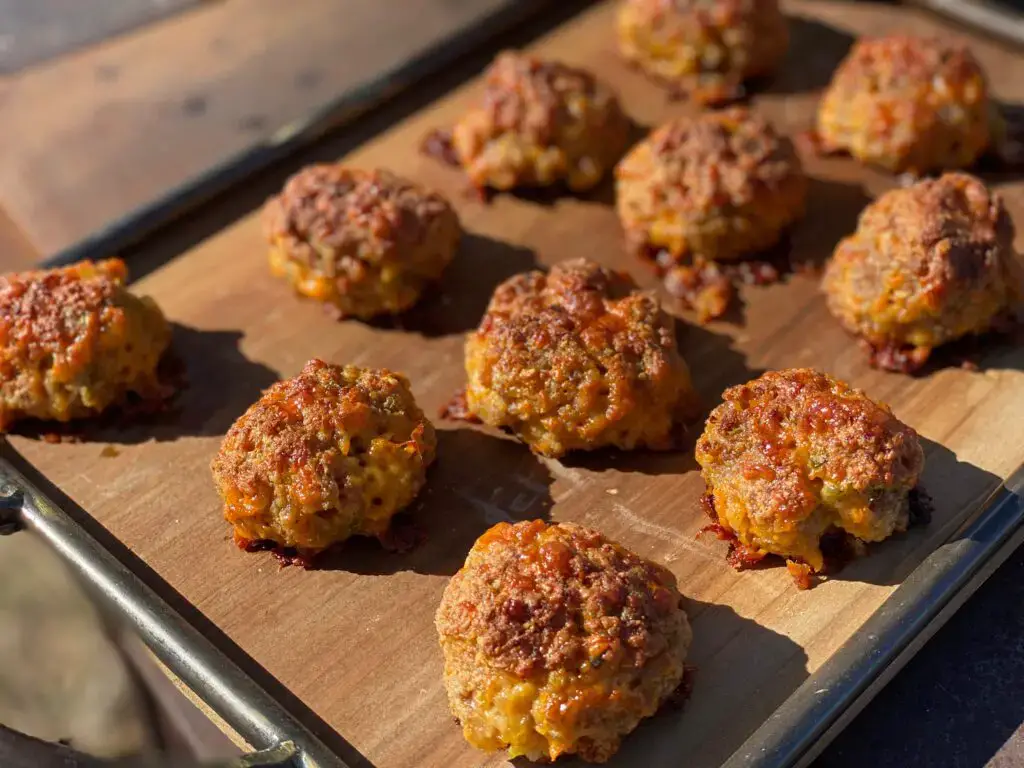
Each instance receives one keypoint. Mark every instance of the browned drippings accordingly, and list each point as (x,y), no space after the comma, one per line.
(402,535)
(810,142)
(900,359)
(702,288)
(285,556)
(457,409)
(921,506)
(678,698)
(803,574)
(438,144)
(709,287)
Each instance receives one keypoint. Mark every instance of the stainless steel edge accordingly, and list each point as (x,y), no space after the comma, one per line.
(985,16)
(261,720)
(290,138)
(813,714)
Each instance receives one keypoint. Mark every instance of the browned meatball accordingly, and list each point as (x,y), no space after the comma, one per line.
(577,359)
(366,242)
(74,341)
(907,104)
(717,186)
(558,641)
(704,48)
(796,454)
(540,123)
(331,453)
(928,264)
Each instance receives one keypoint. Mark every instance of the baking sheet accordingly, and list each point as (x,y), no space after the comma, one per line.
(355,642)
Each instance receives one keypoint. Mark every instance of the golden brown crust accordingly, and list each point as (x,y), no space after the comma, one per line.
(74,341)
(928,264)
(717,186)
(333,452)
(366,241)
(795,453)
(907,104)
(704,50)
(577,359)
(592,636)
(539,123)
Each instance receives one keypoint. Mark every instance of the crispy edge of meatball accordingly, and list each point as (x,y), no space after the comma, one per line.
(74,341)
(553,686)
(705,54)
(330,453)
(540,123)
(366,242)
(578,359)
(928,264)
(682,190)
(795,453)
(883,106)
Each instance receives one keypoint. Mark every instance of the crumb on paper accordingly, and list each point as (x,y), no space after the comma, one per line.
(109,452)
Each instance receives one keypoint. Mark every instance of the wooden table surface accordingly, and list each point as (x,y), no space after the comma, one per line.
(93,134)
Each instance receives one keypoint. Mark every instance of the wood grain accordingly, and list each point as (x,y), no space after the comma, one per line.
(354,642)
(97,133)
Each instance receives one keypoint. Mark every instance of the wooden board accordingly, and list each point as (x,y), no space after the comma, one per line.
(354,643)
(43,29)
(148,111)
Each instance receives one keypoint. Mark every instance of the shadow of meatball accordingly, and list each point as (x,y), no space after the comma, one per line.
(214,382)
(996,350)
(833,208)
(458,302)
(715,363)
(815,50)
(1004,161)
(478,481)
(677,461)
(726,647)
(956,490)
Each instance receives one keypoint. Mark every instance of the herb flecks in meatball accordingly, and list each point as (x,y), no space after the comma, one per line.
(331,453)
(578,359)
(558,641)
(717,187)
(540,123)
(700,49)
(74,342)
(366,243)
(795,455)
(928,264)
(907,104)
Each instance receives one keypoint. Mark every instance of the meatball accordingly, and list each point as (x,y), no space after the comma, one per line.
(703,49)
(540,123)
(558,641)
(796,454)
(928,264)
(908,105)
(365,242)
(74,341)
(577,359)
(331,453)
(717,186)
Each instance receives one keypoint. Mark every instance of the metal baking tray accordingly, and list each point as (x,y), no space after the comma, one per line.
(792,736)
